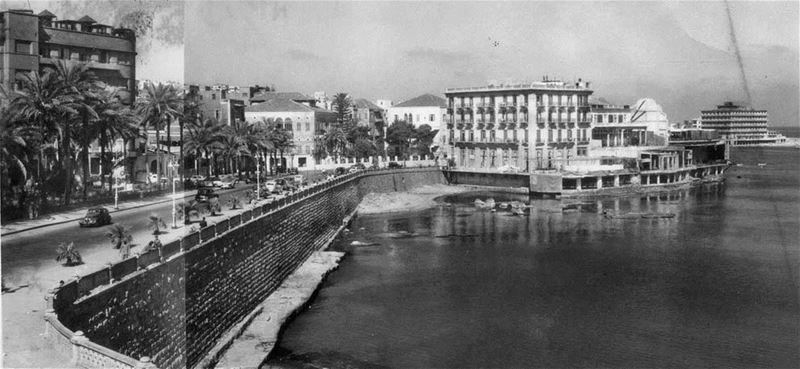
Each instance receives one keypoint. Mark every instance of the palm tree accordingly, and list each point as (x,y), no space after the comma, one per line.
(202,140)
(69,254)
(335,141)
(238,142)
(156,223)
(159,106)
(119,235)
(46,103)
(81,85)
(114,121)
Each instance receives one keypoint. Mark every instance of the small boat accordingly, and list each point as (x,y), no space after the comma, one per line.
(762,165)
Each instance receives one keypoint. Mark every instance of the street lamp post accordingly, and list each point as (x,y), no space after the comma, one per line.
(258,179)
(174,166)
(116,191)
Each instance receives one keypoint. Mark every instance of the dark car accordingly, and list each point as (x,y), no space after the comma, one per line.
(340,171)
(394,165)
(205,193)
(95,217)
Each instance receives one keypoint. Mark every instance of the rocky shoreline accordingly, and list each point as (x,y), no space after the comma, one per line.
(417,199)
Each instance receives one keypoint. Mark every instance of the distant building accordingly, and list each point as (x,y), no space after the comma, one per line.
(30,42)
(301,119)
(425,109)
(530,126)
(740,125)
(367,114)
(384,104)
(322,100)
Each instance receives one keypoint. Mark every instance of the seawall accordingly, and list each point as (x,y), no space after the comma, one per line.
(169,309)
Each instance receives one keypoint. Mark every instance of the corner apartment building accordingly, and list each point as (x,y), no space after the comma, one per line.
(31,42)
(740,125)
(531,126)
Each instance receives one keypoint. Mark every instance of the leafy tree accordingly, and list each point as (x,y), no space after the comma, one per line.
(69,254)
(424,139)
(400,136)
(364,148)
(114,121)
(154,244)
(156,224)
(233,144)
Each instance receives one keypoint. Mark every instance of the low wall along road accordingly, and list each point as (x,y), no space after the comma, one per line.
(167,309)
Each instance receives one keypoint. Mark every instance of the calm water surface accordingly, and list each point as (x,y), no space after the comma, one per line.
(715,286)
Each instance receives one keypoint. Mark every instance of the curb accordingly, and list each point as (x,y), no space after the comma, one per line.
(76,219)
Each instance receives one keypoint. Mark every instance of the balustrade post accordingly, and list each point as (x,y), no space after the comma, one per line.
(77,339)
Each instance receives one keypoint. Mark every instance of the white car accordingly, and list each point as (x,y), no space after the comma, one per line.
(197,178)
(270,185)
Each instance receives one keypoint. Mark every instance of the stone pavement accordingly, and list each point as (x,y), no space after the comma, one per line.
(69,216)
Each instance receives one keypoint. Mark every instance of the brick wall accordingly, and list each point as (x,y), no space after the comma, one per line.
(176,311)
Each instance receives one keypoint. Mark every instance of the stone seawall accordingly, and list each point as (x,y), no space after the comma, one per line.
(174,309)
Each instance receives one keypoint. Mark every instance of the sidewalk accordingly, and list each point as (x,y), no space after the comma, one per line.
(69,216)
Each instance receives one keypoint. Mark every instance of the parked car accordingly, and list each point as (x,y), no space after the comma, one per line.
(271,186)
(197,178)
(228,182)
(356,167)
(204,194)
(292,171)
(96,216)
(339,171)
(394,165)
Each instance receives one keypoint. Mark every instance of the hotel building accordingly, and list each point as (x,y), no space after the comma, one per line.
(739,125)
(30,42)
(531,126)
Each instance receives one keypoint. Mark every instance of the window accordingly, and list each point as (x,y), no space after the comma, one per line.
(308,126)
(55,54)
(417,117)
(216,114)
(433,118)
(24,47)
(395,118)
(74,55)
(610,118)
(213,96)
(620,119)
(599,118)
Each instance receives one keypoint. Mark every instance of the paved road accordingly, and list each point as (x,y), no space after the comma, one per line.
(24,253)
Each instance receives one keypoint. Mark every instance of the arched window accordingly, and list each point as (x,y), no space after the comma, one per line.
(288,123)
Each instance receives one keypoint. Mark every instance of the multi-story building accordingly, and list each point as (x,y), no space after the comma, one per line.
(30,42)
(740,125)
(530,126)
(303,120)
(425,109)
(369,115)
(644,124)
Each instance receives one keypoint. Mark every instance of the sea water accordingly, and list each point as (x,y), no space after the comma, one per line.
(460,287)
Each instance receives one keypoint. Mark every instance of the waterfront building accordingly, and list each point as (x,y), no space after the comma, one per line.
(529,126)
(32,42)
(384,104)
(740,125)
(643,124)
(300,117)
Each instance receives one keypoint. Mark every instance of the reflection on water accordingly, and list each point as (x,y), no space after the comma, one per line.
(466,287)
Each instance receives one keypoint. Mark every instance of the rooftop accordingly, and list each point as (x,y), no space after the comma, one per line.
(365,104)
(542,85)
(423,100)
(278,105)
(264,96)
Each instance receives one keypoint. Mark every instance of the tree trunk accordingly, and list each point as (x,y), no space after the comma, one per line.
(67,162)
(180,137)
(85,153)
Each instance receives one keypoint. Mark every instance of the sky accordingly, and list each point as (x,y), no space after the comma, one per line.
(679,53)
